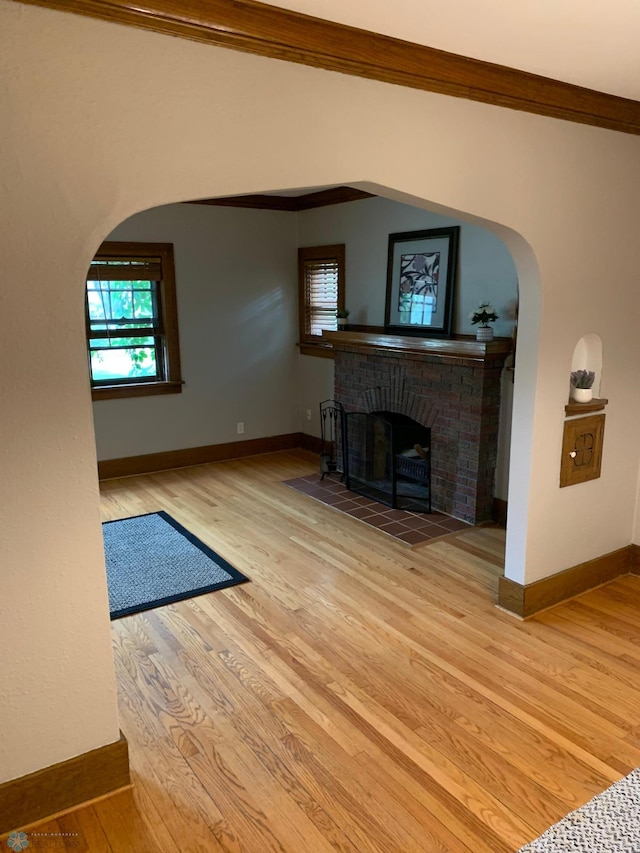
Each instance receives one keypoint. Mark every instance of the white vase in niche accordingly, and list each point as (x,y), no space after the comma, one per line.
(582,395)
(484,333)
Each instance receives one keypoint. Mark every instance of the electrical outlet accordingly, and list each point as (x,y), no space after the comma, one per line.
(308,414)
(240,427)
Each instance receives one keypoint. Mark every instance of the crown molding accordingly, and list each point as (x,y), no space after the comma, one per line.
(265,30)
(334,195)
(321,198)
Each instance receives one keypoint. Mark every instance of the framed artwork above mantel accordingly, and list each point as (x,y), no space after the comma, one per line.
(421,278)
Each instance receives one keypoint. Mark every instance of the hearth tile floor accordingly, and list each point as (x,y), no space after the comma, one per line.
(413,528)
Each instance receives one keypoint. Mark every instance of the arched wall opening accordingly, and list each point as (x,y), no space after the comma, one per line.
(237,299)
(87,158)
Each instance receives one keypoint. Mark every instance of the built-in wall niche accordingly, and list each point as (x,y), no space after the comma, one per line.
(587,355)
(583,434)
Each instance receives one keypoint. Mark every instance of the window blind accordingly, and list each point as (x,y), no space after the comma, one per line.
(321,295)
(124,269)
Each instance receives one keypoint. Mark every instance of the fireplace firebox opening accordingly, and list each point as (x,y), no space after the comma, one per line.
(387,458)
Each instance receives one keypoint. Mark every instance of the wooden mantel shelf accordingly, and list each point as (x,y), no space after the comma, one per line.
(446,348)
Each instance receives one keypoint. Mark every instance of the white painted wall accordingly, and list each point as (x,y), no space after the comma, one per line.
(315,383)
(236,282)
(486,270)
(101,121)
(233,264)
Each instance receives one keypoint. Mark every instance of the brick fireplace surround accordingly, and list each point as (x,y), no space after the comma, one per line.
(452,386)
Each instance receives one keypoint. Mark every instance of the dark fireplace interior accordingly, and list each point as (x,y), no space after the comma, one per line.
(388,459)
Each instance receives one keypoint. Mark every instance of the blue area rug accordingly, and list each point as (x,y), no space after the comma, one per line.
(609,823)
(152,560)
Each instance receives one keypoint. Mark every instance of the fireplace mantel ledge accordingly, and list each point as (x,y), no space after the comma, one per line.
(445,348)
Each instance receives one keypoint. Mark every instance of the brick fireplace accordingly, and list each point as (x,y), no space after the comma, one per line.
(451,386)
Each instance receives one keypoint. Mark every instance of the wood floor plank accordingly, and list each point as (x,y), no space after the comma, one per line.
(420,751)
(86,836)
(436,693)
(386,821)
(358,695)
(131,821)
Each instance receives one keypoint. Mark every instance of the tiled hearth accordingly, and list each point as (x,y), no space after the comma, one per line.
(409,527)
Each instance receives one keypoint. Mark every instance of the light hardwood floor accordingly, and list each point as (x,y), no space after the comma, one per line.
(358,695)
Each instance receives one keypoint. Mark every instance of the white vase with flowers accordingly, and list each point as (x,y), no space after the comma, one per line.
(481,316)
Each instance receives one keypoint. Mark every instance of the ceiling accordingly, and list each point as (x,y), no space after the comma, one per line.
(592,43)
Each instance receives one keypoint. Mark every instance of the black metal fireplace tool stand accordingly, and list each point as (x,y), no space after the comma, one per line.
(331,431)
